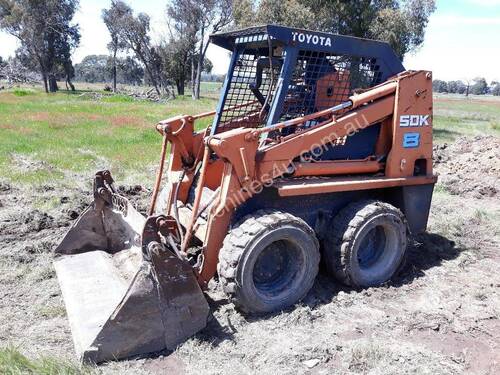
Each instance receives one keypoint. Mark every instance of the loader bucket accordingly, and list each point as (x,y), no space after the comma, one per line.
(125,295)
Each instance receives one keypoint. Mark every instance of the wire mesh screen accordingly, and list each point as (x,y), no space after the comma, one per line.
(321,80)
(251,89)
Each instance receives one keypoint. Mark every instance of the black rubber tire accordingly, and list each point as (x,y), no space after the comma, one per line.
(364,264)
(281,237)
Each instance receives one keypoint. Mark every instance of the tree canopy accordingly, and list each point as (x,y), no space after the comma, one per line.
(99,68)
(46,34)
(480,86)
(133,33)
(401,23)
(191,22)
(477,86)
(117,10)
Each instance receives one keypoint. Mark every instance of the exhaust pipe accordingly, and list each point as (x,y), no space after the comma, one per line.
(125,290)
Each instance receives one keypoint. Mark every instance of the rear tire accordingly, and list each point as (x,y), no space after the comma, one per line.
(367,245)
(268,262)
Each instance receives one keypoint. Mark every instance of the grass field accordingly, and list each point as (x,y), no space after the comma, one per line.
(43,137)
(455,115)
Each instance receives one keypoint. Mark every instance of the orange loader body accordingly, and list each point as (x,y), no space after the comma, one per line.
(320,148)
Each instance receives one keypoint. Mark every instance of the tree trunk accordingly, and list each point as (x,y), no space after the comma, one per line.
(155,84)
(114,70)
(199,68)
(45,84)
(152,78)
(198,78)
(68,82)
(52,83)
(192,75)
(147,66)
(180,87)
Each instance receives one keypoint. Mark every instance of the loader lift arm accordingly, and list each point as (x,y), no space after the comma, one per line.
(248,168)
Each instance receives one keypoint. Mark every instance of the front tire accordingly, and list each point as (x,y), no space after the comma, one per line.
(268,262)
(367,245)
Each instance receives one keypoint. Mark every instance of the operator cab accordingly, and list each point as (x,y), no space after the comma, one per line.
(278,73)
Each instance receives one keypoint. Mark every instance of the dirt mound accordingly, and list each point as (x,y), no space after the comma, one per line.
(469,166)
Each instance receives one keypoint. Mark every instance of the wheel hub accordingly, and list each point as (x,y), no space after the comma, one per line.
(371,247)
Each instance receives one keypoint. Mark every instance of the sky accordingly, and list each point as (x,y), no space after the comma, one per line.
(462,39)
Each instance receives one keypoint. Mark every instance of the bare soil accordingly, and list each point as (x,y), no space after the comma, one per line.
(440,315)
(470,167)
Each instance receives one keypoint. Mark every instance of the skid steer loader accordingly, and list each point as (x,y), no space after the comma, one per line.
(320,147)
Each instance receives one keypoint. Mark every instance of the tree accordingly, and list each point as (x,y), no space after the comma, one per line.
(99,68)
(214,15)
(92,69)
(456,87)
(128,71)
(480,87)
(244,12)
(46,34)
(495,88)
(294,13)
(285,12)
(179,51)
(467,86)
(176,60)
(204,17)
(439,86)
(110,17)
(401,23)
(452,87)
(69,73)
(133,32)
(207,66)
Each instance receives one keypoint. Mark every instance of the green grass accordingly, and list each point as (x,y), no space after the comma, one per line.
(46,137)
(117,99)
(455,116)
(51,137)
(22,92)
(13,362)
